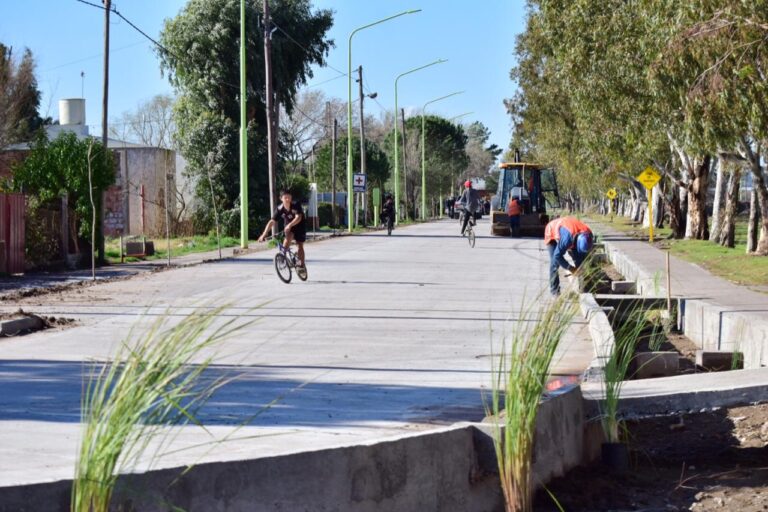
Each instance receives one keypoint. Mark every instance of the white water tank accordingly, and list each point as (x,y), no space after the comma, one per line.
(72,112)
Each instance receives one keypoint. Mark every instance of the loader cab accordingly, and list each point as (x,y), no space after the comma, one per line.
(536,187)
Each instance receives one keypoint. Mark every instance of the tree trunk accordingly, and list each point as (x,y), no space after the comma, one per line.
(754,223)
(727,231)
(658,206)
(714,234)
(697,201)
(759,186)
(677,212)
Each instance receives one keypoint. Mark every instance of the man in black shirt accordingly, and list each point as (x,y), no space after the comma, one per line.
(292,215)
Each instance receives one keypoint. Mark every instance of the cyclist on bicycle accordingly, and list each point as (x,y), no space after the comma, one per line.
(470,201)
(293,218)
(388,211)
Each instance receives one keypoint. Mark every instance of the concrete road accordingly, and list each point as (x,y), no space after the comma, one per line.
(389,335)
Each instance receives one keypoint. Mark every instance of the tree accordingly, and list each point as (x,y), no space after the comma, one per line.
(201,42)
(481,156)
(151,123)
(61,166)
(445,151)
(376,164)
(19,97)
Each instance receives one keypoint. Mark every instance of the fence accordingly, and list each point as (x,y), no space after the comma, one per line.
(12,208)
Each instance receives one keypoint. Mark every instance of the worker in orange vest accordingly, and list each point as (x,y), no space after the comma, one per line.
(566,235)
(514,210)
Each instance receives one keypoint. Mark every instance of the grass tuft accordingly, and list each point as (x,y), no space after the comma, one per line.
(150,384)
(520,378)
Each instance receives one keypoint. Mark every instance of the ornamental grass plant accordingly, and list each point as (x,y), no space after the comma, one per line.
(520,377)
(153,382)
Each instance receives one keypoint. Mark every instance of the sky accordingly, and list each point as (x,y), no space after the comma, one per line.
(476,38)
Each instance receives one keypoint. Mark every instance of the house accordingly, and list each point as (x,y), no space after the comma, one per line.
(135,204)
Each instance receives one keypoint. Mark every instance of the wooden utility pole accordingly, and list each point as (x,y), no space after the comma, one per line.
(405,164)
(271,124)
(104,130)
(362,140)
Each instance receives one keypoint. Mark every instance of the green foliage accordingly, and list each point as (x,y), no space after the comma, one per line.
(445,150)
(298,184)
(202,65)
(19,97)
(377,165)
(606,88)
(61,166)
(325,214)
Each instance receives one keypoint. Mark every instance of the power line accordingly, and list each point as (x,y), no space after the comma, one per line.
(129,22)
(92,57)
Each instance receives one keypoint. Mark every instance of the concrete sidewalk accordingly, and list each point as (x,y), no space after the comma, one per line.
(11,285)
(715,313)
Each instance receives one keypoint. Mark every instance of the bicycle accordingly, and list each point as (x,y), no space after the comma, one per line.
(469,232)
(286,262)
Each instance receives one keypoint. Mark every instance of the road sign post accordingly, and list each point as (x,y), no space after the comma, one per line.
(649,178)
(611,195)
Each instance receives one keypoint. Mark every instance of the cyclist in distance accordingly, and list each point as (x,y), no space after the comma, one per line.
(388,211)
(470,201)
(293,218)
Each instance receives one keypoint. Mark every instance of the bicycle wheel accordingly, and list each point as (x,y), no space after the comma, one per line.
(283,268)
(471,237)
(302,273)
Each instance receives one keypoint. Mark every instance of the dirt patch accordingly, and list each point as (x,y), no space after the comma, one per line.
(46,322)
(712,461)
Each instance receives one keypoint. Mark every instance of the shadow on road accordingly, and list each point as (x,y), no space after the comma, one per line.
(50,391)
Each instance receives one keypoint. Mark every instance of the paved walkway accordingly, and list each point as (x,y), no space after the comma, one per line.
(389,335)
(688,279)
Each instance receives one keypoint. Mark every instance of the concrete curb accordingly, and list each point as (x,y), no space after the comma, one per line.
(601,332)
(448,469)
(20,325)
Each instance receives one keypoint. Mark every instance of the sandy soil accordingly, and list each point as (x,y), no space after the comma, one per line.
(714,461)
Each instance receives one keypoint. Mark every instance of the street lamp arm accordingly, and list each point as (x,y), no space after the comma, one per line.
(401,75)
(358,29)
(441,98)
(460,115)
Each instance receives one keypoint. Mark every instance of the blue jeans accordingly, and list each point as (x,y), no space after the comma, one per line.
(554,277)
(514,224)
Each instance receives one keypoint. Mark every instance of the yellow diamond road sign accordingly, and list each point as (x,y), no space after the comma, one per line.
(611,194)
(649,178)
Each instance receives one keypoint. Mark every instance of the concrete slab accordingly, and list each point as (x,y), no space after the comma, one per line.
(685,393)
(389,335)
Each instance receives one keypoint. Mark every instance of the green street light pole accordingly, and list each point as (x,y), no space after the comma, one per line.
(243,136)
(423,152)
(460,115)
(397,168)
(349,110)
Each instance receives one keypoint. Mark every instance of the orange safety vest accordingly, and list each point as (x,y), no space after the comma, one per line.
(513,209)
(572,224)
